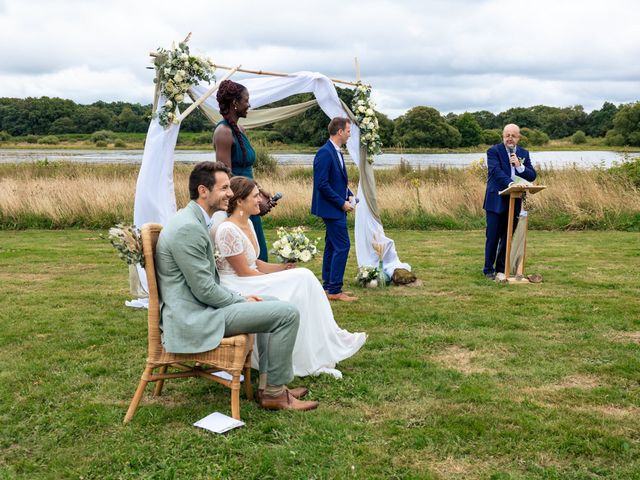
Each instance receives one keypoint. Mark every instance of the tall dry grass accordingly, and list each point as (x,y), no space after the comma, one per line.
(60,195)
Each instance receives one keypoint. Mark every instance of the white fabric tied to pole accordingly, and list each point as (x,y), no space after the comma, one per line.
(155,199)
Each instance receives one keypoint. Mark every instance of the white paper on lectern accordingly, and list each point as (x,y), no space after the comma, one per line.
(218,423)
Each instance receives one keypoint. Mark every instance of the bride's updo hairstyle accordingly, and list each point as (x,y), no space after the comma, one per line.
(229,91)
(241,188)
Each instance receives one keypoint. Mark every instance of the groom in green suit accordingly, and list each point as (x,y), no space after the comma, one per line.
(197,312)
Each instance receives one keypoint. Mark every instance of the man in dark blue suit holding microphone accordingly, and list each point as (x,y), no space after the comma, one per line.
(331,201)
(505,161)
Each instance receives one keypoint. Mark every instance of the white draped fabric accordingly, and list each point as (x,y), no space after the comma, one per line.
(155,198)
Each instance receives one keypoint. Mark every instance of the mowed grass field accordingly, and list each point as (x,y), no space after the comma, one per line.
(460,377)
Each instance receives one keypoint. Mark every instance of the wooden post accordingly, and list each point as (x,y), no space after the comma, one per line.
(512,206)
(207,94)
(156,94)
(520,269)
(264,72)
(515,192)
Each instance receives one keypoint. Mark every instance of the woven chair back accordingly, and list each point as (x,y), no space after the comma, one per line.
(150,233)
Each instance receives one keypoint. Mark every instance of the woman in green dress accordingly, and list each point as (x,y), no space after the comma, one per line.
(234,149)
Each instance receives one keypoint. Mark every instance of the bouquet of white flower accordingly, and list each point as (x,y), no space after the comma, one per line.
(177,70)
(367,276)
(364,110)
(126,240)
(294,246)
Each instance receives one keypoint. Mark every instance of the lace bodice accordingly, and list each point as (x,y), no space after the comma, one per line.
(230,241)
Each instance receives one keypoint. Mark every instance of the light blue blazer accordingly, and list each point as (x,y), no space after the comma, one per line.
(192,300)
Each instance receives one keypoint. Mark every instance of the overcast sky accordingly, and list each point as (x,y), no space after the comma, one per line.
(453,55)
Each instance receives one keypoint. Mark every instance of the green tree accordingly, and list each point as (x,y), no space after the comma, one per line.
(534,136)
(601,121)
(469,129)
(563,122)
(32,115)
(579,137)
(486,119)
(386,129)
(491,136)
(614,139)
(63,125)
(523,117)
(92,118)
(196,121)
(128,121)
(425,127)
(626,125)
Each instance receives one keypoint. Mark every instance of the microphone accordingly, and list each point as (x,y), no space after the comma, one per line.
(276,197)
(511,150)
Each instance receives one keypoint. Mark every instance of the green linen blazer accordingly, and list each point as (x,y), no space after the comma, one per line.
(192,313)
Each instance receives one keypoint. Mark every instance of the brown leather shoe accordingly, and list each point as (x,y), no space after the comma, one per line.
(297,392)
(286,401)
(342,296)
(346,293)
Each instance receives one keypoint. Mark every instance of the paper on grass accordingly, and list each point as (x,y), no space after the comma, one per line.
(226,375)
(218,422)
(137,303)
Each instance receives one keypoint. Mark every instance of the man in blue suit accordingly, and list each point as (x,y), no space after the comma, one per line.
(505,161)
(331,201)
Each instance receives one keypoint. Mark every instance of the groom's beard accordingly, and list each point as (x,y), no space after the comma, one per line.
(221,206)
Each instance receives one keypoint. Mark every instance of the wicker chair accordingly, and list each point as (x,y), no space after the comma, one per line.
(233,355)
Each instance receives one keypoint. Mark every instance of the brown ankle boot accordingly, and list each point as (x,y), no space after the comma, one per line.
(286,401)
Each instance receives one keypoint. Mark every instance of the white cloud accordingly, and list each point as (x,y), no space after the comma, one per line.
(452,55)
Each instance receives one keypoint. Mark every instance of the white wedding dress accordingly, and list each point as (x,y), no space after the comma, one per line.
(320,343)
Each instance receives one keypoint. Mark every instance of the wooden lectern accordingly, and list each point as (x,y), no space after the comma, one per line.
(514,191)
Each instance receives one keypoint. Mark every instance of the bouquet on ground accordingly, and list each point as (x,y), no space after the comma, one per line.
(127,242)
(367,276)
(294,246)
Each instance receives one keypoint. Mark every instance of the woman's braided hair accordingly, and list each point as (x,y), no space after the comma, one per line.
(229,91)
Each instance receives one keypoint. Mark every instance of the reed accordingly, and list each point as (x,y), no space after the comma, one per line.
(61,195)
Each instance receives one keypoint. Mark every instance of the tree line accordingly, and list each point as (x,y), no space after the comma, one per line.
(421,126)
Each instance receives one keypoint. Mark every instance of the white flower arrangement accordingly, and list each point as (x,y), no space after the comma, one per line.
(364,110)
(127,242)
(367,276)
(177,70)
(294,246)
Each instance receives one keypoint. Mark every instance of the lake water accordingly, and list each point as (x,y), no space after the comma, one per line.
(583,159)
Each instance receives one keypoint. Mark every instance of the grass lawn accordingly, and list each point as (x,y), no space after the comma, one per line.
(460,378)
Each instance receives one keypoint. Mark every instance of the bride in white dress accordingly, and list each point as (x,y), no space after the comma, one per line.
(320,343)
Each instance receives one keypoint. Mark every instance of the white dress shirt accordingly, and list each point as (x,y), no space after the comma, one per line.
(207,218)
(519,169)
(339,153)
